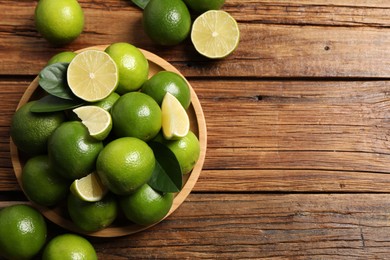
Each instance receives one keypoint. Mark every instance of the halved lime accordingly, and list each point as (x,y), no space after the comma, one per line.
(175,121)
(92,75)
(96,119)
(215,34)
(89,188)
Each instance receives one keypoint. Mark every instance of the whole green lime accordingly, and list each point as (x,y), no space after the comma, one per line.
(133,67)
(107,102)
(65,56)
(186,150)
(166,81)
(92,216)
(30,131)
(136,114)
(22,232)
(146,206)
(201,6)
(167,22)
(41,183)
(125,164)
(72,151)
(69,246)
(59,22)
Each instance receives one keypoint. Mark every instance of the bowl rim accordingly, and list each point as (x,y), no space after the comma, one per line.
(56,217)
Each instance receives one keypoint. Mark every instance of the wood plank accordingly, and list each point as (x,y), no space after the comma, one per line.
(280,49)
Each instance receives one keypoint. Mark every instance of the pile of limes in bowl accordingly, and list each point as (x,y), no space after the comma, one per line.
(105,139)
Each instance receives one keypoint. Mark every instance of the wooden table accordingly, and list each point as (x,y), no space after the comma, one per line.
(298,129)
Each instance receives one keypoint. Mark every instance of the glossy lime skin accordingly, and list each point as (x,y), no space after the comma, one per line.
(59,22)
(23,232)
(167,22)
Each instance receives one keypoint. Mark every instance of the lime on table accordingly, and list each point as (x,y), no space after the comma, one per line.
(215,34)
(22,232)
(59,22)
(175,121)
(96,119)
(92,75)
(89,188)
(69,246)
(167,22)
(201,6)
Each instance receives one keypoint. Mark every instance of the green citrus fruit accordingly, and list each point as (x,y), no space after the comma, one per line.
(65,56)
(133,67)
(92,216)
(167,22)
(125,164)
(166,81)
(69,246)
(107,102)
(136,114)
(215,34)
(201,6)
(41,183)
(59,22)
(30,131)
(186,150)
(72,151)
(22,232)
(146,206)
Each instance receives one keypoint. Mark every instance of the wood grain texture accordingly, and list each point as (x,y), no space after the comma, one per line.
(294,43)
(297,165)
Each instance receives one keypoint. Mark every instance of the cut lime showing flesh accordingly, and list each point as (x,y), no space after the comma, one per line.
(92,75)
(89,188)
(175,121)
(215,34)
(96,119)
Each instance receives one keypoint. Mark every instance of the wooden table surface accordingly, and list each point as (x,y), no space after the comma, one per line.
(298,129)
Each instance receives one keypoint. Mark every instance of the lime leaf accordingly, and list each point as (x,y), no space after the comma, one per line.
(167,175)
(53,79)
(51,103)
(141,3)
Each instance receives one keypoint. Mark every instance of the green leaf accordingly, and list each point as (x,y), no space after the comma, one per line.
(53,79)
(141,3)
(167,175)
(51,103)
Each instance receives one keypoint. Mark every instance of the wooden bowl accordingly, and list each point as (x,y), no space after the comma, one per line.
(121,226)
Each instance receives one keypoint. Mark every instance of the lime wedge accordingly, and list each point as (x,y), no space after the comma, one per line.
(96,119)
(215,34)
(92,75)
(175,121)
(89,188)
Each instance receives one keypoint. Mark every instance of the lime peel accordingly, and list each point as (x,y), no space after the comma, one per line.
(89,188)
